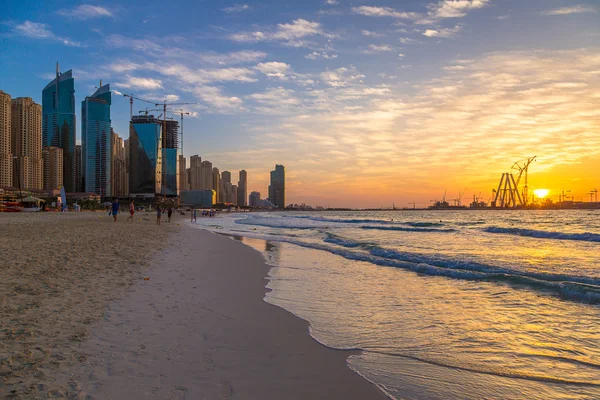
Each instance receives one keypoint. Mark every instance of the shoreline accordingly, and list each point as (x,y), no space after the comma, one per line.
(200,328)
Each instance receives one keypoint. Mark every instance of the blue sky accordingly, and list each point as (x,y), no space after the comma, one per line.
(365,102)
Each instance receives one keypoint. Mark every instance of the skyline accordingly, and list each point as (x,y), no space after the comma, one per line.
(365,103)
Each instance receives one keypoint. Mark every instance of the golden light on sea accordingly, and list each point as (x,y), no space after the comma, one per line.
(541,193)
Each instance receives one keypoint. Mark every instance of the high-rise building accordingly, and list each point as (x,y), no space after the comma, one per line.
(119,179)
(254,199)
(195,173)
(183,179)
(277,187)
(169,158)
(226,176)
(234,195)
(145,156)
(96,145)
(242,190)
(206,173)
(79,183)
(6,157)
(53,167)
(26,142)
(58,109)
(217,185)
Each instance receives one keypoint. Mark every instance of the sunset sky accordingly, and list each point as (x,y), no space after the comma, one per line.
(366,103)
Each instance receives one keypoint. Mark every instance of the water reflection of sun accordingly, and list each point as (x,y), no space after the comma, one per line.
(541,193)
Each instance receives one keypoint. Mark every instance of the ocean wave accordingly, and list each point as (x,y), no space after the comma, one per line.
(586,236)
(340,241)
(406,229)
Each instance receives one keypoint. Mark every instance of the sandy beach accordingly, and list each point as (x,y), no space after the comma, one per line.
(79,320)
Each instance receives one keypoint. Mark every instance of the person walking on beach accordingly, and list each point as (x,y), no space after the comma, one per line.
(131,211)
(192,212)
(115,209)
(158,215)
(169,213)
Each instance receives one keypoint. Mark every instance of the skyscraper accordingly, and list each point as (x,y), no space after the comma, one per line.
(119,179)
(277,187)
(234,195)
(206,173)
(217,185)
(58,110)
(255,199)
(26,142)
(96,146)
(145,156)
(169,158)
(79,182)
(183,179)
(195,173)
(53,167)
(6,158)
(242,190)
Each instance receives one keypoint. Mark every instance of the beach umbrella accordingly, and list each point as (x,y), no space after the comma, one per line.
(31,199)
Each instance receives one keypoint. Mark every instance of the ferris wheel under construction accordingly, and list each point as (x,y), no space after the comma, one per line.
(507,195)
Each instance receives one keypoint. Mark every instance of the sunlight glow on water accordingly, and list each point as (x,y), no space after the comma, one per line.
(469,305)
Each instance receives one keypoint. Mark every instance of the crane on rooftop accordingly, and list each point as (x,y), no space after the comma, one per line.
(131,98)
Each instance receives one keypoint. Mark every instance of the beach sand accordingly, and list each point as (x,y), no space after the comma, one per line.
(197,329)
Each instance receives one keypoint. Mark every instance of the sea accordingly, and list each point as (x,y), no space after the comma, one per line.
(472,304)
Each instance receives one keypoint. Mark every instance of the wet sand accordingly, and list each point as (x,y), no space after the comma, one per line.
(197,329)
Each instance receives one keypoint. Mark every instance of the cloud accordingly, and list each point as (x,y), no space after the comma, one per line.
(289,34)
(443,32)
(85,11)
(133,82)
(274,69)
(373,48)
(371,11)
(237,8)
(576,9)
(455,8)
(314,55)
(172,97)
(405,40)
(214,97)
(332,2)
(36,30)
(341,77)
(237,57)
(370,34)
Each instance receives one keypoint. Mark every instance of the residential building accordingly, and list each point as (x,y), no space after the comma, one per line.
(195,173)
(183,178)
(234,195)
(254,199)
(58,121)
(6,157)
(242,189)
(226,176)
(53,167)
(225,187)
(277,187)
(206,174)
(145,156)
(120,179)
(26,143)
(217,184)
(79,183)
(96,144)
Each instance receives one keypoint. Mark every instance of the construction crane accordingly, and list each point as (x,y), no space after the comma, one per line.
(413,204)
(165,105)
(131,98)
(460,196)
(181,113)
(594,192)
(523,169)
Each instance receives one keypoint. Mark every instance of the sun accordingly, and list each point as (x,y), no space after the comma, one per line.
(541,193)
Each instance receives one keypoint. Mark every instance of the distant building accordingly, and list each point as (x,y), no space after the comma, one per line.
(58,109)
(120,178)
(199,198)
(195,173)
(183,178)
(206,182)
(6,157)
(226,176)
(79,183)
(96,143)
(53,167)
(145,156)
(277,187)
(242,189)
(234,195)
(254,199)
(217,184)
(26,143)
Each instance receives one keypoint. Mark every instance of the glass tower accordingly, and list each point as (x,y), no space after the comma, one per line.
(277,187)
(145,156)
(58,121)
(96,145)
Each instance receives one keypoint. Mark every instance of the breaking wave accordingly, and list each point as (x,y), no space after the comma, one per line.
(586,236)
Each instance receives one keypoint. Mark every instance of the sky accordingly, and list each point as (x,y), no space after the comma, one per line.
(367,103)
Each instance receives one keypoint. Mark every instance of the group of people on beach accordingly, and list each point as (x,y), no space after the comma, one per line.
(205,213)
(115,207)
